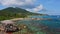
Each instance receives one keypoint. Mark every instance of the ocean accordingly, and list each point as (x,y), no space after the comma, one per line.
(43,26)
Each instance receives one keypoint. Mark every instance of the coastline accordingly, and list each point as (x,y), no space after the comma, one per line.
(16,19)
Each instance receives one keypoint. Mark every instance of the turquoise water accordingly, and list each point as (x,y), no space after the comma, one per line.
(38,25)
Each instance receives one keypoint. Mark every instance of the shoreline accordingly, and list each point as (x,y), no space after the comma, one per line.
(17,19)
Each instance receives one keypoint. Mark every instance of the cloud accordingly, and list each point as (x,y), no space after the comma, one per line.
(25,4)
(18,3)
(37,8)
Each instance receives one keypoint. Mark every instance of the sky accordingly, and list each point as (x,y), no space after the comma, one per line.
(51,7)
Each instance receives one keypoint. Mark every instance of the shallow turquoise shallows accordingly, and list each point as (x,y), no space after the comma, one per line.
(39,25)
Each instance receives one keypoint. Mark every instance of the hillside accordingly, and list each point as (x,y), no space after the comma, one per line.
(11,12)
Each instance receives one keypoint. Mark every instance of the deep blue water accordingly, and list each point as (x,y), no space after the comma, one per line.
(47,16)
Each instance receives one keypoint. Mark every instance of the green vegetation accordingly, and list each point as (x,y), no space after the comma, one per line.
(11,12)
